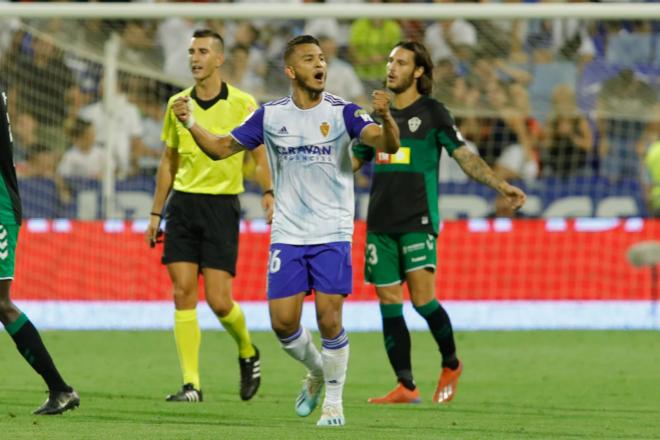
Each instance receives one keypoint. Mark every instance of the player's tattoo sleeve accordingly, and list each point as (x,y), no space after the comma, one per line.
(475,167)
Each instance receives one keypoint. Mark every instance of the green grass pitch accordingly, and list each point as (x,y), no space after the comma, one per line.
(515,385)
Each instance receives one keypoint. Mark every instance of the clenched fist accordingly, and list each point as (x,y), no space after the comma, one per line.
(182,109)
(380,101)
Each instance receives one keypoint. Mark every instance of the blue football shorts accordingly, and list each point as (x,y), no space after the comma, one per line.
(326,268)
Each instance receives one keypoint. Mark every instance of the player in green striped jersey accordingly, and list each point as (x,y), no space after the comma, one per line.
(61,396)
(403,218)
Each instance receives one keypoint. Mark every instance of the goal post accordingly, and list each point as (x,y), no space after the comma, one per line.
(269,10)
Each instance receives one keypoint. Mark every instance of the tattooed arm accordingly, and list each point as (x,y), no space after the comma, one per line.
(215,147)
(475,167)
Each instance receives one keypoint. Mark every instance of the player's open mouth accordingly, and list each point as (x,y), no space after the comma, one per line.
(196,69)
(319,76)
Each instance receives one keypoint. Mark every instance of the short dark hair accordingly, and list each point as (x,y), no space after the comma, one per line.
(79,127)
(300,39)
(238,47)
(422,59)
(36,149)
(208,33)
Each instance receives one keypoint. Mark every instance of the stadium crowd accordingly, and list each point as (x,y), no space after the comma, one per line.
(558,98)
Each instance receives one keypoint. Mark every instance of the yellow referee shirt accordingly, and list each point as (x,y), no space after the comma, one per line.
(197,173)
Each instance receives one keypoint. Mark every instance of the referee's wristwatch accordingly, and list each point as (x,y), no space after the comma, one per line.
(269,191)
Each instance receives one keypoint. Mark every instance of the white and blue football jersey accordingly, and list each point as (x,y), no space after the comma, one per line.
(309,155)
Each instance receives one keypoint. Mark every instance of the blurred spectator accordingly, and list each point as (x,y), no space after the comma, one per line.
(342,79)
(563,38)
(500,38)
(548,73)
(322,26)
(88,77)
(505,138)
(8,28)
(631,47)
(237,72)
(519,160)
(43,86)
(370,43)
(173,36)
(515,126)
(85,158)
(25,129)
(123,123)
(622,105)
(328,26)
(453,39)
(138,43)
(444,81)
(150,102)
(41,163)
(459,93)
(567,138)
(247,35)
(9,67)
(487,72)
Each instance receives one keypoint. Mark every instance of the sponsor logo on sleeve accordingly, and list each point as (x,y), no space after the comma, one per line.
(402,157)
(362,113)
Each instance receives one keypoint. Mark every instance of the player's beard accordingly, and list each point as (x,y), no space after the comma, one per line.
(403,85)
(314,92)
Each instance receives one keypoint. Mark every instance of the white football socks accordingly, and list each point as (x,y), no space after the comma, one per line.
(300,346)
(335,363)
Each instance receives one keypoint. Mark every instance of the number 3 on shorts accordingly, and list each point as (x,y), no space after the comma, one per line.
(274,262)
(372,254)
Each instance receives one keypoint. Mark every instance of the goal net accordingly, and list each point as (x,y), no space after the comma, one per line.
(562,100)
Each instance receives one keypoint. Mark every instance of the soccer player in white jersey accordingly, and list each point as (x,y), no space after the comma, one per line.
(307,136)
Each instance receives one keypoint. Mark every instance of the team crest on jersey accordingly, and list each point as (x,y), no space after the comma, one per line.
(325,128)
(414,123)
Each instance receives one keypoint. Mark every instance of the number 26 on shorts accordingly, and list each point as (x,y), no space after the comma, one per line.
(274,261)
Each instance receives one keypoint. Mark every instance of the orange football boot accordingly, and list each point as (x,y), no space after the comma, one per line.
(447,384)
(400,394)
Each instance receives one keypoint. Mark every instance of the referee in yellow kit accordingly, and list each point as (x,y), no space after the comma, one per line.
(203,213)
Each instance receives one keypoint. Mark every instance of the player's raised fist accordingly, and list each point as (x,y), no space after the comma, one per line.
(380,101)
(182,109)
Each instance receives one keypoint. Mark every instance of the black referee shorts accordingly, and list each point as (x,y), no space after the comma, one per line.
(202,229)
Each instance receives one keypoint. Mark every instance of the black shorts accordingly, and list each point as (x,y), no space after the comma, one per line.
(202,229)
